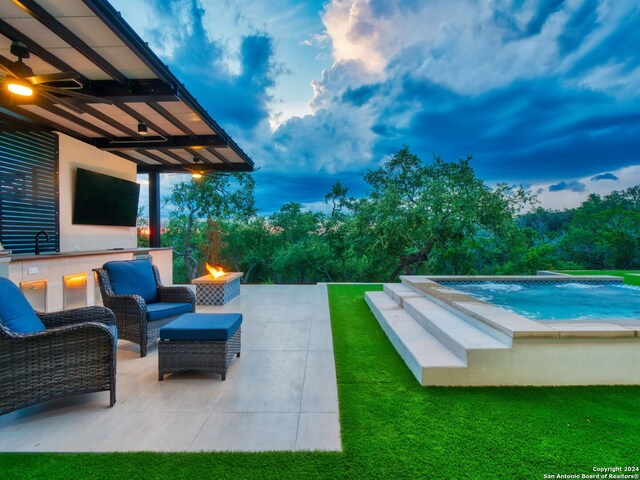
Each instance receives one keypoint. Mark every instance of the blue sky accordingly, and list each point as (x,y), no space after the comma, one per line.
(544,93)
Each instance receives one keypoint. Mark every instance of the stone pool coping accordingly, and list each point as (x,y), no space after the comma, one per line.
(511,324)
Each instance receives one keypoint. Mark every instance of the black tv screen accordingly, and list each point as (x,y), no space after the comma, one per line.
(104,200)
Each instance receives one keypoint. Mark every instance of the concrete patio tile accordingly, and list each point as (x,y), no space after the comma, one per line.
(56,430)
(319,431)
(179,392)
(129,361)
(252,330)
(266,382)
(320,393)
(38,427)
(290,335)
(320,337)
(283,312)
(247,432)
(142,431)
(321,304)
(89,425)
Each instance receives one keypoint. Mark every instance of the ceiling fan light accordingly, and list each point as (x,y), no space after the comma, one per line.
(19,88)
(142,129)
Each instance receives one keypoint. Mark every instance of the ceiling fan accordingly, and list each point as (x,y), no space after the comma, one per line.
(20,80)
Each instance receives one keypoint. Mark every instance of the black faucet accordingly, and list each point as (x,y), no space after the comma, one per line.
(46,236)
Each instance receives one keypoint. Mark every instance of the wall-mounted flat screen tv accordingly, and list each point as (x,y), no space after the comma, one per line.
(104,200)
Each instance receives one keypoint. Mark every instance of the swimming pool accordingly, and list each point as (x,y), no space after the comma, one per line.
(557,300)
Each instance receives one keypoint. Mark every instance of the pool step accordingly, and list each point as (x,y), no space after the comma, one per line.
(442,316)
(420,350)
(439,347)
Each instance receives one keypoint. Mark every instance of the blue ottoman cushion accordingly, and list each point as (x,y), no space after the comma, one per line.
(158,311)
(202,326)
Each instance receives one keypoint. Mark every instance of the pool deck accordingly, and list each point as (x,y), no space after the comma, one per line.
(281,394)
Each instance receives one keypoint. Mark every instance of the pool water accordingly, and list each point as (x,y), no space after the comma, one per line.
(558,300)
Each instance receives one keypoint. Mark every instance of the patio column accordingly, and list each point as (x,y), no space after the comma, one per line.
(154,209)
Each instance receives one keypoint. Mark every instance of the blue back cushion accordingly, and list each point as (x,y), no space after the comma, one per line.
(133,277)
(15,311)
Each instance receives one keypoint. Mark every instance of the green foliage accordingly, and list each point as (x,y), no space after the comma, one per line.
(143,229)
(300,253)
(249,249)
(605,232)
(214,243)
(416,218)
(219,196)
(416,210)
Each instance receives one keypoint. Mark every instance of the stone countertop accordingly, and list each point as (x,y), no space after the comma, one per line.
(83,253)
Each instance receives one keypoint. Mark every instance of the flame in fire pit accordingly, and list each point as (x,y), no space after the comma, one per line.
(215,272)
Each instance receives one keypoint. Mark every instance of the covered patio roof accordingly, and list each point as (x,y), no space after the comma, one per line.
(132,86)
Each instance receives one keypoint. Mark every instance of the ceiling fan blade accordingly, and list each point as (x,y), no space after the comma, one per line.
(55,77)
(54,99)
(70,93)
(5,66)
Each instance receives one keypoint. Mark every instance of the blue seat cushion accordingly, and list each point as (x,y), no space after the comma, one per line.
(113,329)
(202,326)
(158,311)
(133,277)
(15,311)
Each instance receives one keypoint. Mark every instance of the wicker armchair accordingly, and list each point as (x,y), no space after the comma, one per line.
(138,320)
(72,353)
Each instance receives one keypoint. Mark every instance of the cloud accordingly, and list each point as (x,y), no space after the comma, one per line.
(567,198)
(542,92)
(604,176)
(506,82)
(359,96)
(329,141)
(304,188)
(235,86)
(572,186)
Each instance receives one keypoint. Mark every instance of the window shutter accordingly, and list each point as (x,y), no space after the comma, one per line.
(28,190)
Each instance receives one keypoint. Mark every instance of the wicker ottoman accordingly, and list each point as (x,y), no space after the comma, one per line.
(199,341)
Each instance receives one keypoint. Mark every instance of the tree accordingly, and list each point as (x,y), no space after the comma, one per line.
(605,232)
(142,228)
(220,196)
(413,209)
(300,253)
(214,244)
(249,249)
(338,198)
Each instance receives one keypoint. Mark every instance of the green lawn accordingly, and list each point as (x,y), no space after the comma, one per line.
(393,429)
(631,277)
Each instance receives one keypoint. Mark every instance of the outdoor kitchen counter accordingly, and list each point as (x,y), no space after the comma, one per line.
(46,272)
(80,253)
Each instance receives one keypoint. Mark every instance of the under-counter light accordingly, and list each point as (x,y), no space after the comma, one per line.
(20,88)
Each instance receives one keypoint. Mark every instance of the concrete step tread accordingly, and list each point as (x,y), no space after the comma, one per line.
(423,346)
(462,332)
(399,292)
